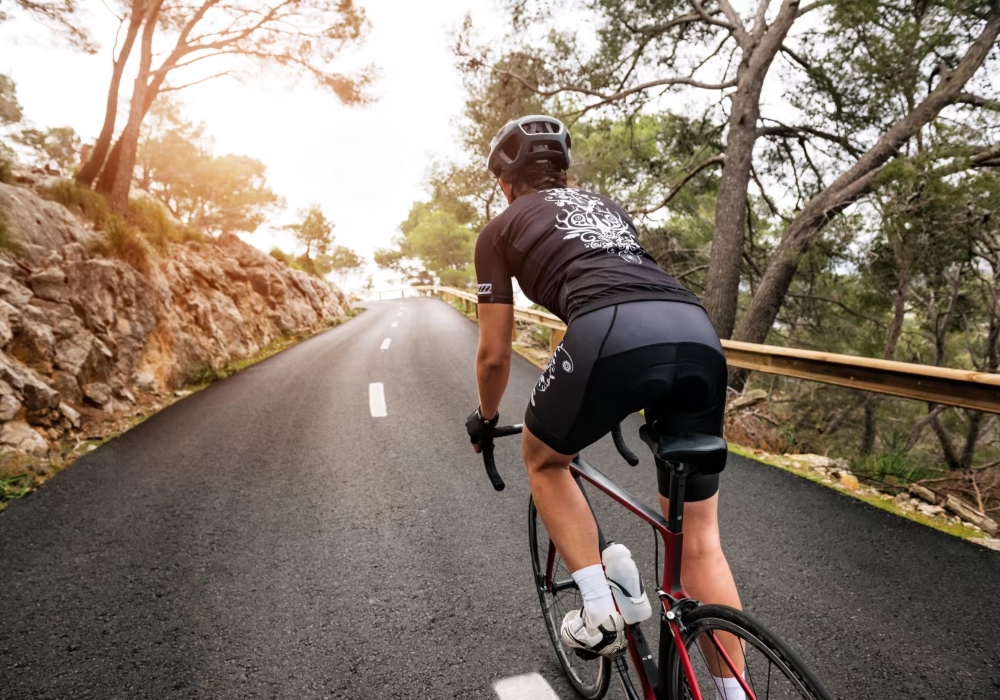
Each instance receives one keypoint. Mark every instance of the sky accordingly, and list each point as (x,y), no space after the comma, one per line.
(364,166)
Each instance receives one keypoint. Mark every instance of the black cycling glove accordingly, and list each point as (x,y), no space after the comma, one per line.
(480,428)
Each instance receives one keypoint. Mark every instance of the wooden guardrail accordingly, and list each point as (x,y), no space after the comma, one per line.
(965,389)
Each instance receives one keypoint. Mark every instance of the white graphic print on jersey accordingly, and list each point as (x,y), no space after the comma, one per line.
(550,372)
(588,218)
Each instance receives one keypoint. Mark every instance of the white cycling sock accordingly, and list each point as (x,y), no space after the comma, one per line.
(596,593)
(728,689)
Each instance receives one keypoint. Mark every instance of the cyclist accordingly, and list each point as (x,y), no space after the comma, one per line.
(636,339)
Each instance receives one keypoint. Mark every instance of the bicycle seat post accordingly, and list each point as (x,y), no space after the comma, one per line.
(675,513)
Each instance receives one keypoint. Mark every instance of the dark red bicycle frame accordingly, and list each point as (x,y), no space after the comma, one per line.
(670,593)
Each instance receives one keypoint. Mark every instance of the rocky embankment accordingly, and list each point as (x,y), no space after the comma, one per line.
(85,337)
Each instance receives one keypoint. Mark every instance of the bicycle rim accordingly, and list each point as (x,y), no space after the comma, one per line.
(590,678)
(771,670)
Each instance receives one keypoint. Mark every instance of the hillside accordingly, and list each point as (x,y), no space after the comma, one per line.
(86,334)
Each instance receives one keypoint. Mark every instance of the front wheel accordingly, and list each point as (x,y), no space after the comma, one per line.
(771,670)
(558,595)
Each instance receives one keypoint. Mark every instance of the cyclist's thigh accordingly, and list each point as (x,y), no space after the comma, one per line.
(560,395)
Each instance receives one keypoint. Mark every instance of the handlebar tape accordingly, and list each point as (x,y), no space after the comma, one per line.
(491,467)
(623,450)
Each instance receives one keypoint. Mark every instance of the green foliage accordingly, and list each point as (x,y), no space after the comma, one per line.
(289,260)
(7,240)
(894,468)
(220,194)
(60,145)
(155,221)
(340,261)
(435,237)
(73,195)
(202,373)
(15,487)
(314,231)
(124,242)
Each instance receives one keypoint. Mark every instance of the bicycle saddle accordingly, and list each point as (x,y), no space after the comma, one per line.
(705,454)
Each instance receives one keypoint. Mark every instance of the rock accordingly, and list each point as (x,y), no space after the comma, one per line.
(126,394)
(23,437)
(811,461)
(39,396)
(34,343)
(967,511)
(49,284)
(67,386)
(9,406)
(40,226)
(848,480)
(746,400)
(928,509)
(989,542)
(923,492)
(71,414)
(98,393)
(146,382)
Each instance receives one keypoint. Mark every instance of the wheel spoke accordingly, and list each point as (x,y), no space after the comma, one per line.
(710,646)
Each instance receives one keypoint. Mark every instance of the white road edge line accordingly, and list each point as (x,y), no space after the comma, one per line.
(376,400)
(394,324)
(386,343)
(530,686)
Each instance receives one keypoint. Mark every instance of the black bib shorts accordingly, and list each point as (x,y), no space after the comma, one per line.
(661,356)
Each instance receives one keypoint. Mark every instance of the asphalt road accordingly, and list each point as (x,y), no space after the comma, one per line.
(269,538)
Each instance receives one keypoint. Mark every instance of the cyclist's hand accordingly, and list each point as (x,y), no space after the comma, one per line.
(479,428)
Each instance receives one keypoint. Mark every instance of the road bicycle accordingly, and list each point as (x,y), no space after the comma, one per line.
(694,637)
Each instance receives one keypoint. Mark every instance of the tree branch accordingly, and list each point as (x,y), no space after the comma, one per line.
(967,98)
(714,160)
(196,82)
(784,130)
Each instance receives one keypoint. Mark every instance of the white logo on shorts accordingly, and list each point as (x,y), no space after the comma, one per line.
(550,371)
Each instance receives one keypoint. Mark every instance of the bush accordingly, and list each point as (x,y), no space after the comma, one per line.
(894,468)
(7,241)
(154,220)
(202,373)
(289,260)
(124,243)
(73,195)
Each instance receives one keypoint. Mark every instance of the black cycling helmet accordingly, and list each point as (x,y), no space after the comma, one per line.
(532,139)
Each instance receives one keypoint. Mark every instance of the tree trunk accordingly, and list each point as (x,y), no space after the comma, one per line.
(88,173)
(726,260)
(120,181)
(891,340)
(852,185)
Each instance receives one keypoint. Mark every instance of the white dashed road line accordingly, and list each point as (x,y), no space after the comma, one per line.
(395,323)
(530,686)
(386,343)
(376,400)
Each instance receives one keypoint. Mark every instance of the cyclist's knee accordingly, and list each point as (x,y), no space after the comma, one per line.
(540,457)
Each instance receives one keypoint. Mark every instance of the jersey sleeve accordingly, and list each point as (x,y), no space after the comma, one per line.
(492,274)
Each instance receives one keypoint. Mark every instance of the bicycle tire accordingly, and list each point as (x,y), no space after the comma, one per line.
(802,683)
(589,678)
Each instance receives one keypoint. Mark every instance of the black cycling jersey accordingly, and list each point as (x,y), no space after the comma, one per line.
(571,251)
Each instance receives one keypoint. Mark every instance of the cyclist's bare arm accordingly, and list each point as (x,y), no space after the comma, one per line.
(496,324)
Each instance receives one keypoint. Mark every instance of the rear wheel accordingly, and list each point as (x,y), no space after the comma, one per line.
(589,678)
(770,668)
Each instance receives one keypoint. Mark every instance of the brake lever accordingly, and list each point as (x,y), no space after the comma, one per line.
(623,450)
